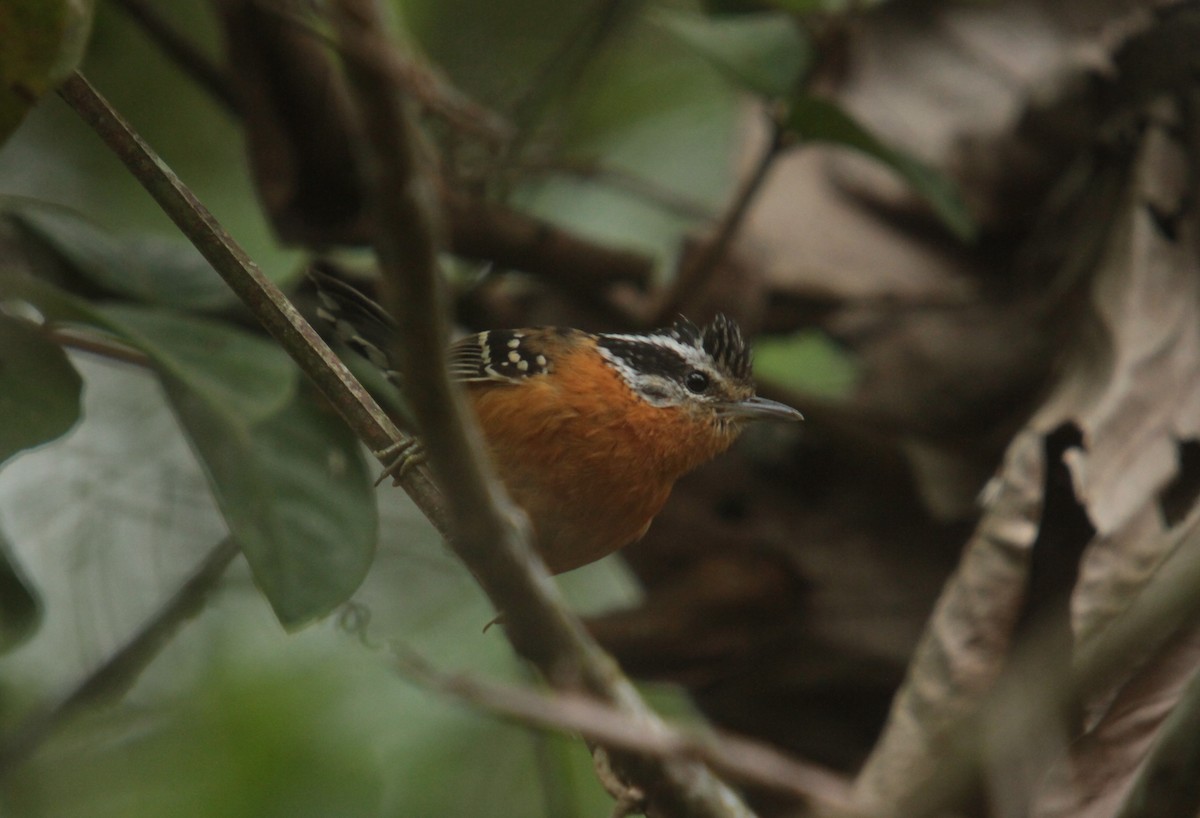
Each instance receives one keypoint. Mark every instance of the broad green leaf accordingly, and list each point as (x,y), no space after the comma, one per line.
(52,302)
(152,269)
(244,375)
(296,495)
(765,53)
(229,368)
(20,609)
(818,120)
(807,361)
(41,42)
(289,482)
(39,389)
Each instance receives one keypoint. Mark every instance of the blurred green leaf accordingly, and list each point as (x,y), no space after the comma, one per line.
(324,503)
(153,269)
(243,375)
(818,120)
(245,742)
(20,609)
(39,389)
(807,361)
(766,53)
(296,495)
(289,481)
(41,43)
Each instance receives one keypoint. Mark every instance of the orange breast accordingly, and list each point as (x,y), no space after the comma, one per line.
(589,461)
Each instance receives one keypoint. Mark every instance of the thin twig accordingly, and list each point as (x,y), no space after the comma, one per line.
(492,231)
(740,759)
(263,298)
(427,86)
(478,229)
(121,669)
(485,533)
(693,277)
(566,66)
(97,345)
(181,50)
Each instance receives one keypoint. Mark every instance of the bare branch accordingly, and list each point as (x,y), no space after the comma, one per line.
(183,52)
(563,70)
(484,527)
(264,299)
(693,277)
(740,759)
(97,345)
(423,82)
(482,229)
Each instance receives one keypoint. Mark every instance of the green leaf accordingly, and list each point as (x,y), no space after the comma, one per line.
(818,120)
(41,43)
(296,495)
(290,482)
(242,374)
(39,389)
(20,608)
(152,269)
(765,53)
(807,361)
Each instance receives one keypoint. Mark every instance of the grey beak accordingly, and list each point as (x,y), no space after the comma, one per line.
(757,408)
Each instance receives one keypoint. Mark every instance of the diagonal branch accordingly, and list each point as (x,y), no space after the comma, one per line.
(695,275)
(548,631)
(738,758)
(207,74)
(486,533)
(260,295)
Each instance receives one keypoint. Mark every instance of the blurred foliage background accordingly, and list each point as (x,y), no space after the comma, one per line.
(237,716)
(949,227)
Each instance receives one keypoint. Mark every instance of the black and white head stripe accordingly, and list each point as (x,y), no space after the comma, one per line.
(675,351)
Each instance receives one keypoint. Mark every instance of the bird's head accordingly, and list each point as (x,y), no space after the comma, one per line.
(705,372)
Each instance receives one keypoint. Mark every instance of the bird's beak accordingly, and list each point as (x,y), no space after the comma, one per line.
(757,408)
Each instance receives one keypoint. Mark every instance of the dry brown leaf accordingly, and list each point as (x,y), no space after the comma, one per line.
(951,340)
(1147,297)
(1129,384)
(1102,765)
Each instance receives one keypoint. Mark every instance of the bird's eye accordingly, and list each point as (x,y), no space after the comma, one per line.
(696,382)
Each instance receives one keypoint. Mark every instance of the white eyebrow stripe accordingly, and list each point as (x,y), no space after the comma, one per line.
(687,352)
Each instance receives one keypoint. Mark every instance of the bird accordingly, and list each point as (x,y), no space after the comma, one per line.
(588,432)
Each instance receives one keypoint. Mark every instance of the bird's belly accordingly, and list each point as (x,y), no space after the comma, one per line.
(591,466)
(576,526)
